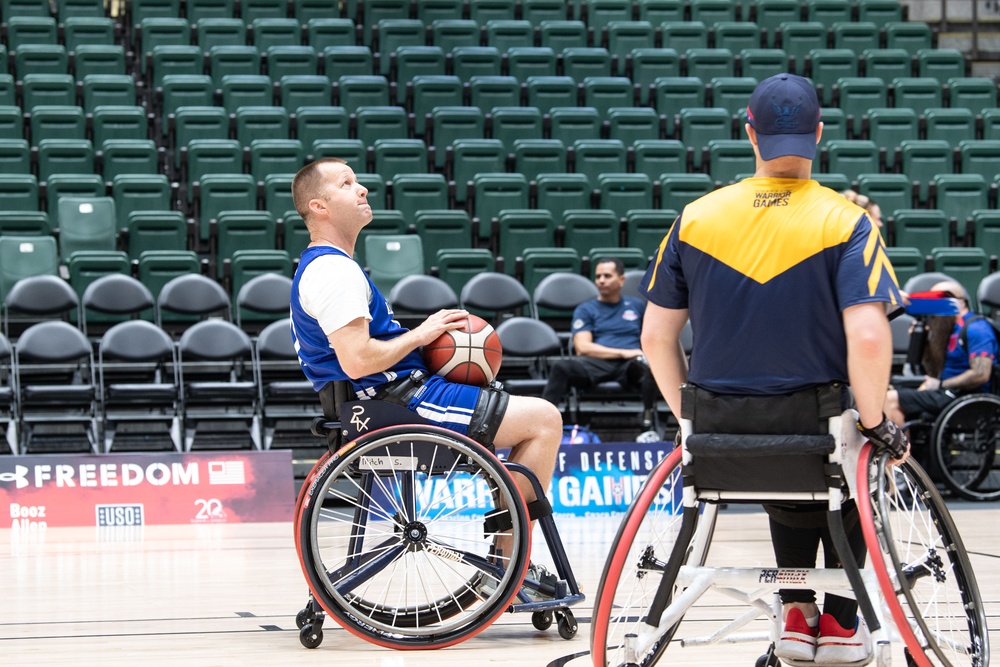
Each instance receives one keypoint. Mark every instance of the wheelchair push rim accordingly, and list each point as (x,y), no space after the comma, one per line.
(965,439)
(921,564)
(395,537)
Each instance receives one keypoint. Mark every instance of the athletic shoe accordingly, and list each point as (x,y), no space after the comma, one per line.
(837,645)
(798,638)
(547,581)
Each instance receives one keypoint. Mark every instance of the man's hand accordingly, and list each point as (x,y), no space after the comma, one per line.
(438,323)
(929,384)
(887,437)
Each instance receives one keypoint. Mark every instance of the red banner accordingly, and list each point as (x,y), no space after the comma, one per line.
(145,489)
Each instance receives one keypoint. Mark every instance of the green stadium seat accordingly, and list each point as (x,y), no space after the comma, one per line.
(762,63)
(487,92)
(439,229)
(240,231)
(797,39)
(48,89)
(856,95)
(887,64)
(474,156)
(852,157)
(399,156)
(222,192)
(290,59)
(86,224)
(985,231)
(683,35)
(593,157)
(140,192)
(958,195)
(859,36)
(562,34)
(952,125)
(646,65)
(451,123)
(503,34)
(890,191)
(268,31)
(25,256)
(508,124)
(728,159)
(974,93)
(389,258)
(90,59)
(966,265)
(493,192)
(426,92)
(449,33)
(678,190)
(624,38)
(244,90)
(15,156)
(672,94)
(382,122)
(659,157)
(534,157)
(73,156)
(128,156)
(646,229)
(226,61)
(917,93)
(326,122)
(581,62)
(219,31)
(470,61)
(888,128)
(622,192)
(921,161)
(923,229)
(550,92)
(826,67)
(155,230)
(736,36)
(909,35)
(941,64)
(700,126)
(415,192)
(520,229)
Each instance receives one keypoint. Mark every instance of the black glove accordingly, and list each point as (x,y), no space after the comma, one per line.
(887,437)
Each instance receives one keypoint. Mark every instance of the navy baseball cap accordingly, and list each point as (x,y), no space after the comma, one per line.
(784,112)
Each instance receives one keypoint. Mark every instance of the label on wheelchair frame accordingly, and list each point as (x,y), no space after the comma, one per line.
(387,463)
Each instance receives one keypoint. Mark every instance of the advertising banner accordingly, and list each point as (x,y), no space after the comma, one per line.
(602,478)
(126,490)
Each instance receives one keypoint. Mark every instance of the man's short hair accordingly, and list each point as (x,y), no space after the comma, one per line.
(619,265)
(307,184)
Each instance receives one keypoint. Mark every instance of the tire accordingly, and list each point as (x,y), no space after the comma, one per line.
(921,564)
(965,439)
(634,569)
(393,543)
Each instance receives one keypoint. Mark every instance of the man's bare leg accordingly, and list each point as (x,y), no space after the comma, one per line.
(532,428)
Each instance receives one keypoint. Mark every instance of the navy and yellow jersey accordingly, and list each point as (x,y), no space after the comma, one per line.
(765,267)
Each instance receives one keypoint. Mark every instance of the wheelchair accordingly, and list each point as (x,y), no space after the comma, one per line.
(958,447)
(919,575)
(396,529)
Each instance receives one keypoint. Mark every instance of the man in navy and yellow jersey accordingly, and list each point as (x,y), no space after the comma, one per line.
(787,286)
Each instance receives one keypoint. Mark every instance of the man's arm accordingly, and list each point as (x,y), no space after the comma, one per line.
(360,354)
(869,358)
(980,369)
(584,345)
(661,343)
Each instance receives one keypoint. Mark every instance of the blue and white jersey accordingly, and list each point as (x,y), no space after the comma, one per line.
(316,355)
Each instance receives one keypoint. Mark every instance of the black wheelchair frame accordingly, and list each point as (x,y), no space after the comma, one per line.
(396,529)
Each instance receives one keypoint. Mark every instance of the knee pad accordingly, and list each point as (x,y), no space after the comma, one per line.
(489,412)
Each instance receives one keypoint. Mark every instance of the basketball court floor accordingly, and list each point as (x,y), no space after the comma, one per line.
(227,595)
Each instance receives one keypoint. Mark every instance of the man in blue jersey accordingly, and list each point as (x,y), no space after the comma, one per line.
(343,329)
(606,342)
(787,285)
(965,368)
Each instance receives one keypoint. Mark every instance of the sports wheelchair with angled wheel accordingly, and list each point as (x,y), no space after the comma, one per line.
(919,588)
(397,527)
(958,446)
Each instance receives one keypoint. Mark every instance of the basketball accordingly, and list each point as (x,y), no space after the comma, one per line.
(469,355)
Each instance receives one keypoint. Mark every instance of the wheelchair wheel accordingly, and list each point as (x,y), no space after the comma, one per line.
(395,535)
(965,439)
(921,565)
(634,571)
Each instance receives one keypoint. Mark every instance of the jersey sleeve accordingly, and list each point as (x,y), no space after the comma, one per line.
(664,282)
(583,318)
(864,274)
(981,339)
(333,289)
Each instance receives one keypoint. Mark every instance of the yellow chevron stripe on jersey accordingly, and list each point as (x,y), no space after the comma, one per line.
(875,257)
(738,225)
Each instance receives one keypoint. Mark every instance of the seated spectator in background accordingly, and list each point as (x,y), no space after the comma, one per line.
(956,364)
(867,203)
(606,343)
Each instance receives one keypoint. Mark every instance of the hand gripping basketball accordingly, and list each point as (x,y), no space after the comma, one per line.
(470,354)
(887,437)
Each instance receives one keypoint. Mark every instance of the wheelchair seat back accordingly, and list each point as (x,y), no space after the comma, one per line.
(746,443)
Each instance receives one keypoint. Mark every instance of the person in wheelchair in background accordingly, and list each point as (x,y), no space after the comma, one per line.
(958,357)
(343,329)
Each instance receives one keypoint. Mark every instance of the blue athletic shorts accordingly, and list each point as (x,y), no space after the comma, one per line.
(446,403)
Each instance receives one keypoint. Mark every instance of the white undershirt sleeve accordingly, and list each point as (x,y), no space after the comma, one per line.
(333,289)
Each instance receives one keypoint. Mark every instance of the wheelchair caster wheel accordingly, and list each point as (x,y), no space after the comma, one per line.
(311,636)
(768,659)
(567,624)
(302,618)
(542,620)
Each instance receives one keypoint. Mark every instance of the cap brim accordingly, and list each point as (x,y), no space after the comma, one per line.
(773,146)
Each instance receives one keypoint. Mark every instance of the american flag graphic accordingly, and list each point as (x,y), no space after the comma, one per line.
(226,472)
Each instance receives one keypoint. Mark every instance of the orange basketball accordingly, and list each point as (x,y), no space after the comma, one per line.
(468,355)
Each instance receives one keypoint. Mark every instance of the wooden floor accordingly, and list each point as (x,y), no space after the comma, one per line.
(222,595)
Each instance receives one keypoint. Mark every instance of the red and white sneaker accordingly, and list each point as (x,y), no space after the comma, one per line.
(798,638)
(837,645)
